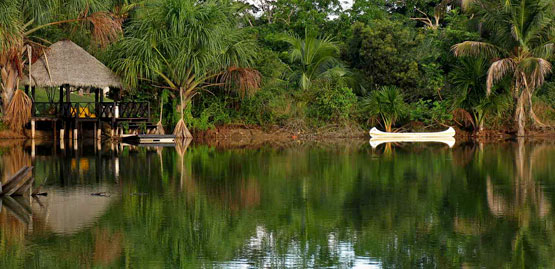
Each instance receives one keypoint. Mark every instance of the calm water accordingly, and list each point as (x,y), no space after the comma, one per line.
(318,205)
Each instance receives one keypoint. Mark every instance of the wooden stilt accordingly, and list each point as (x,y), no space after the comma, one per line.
(75,131)
(63,130)
(54,128)
(99,133)
(33,129)
(70,131)
(33,149)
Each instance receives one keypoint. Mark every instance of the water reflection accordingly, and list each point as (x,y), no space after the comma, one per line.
(402,205)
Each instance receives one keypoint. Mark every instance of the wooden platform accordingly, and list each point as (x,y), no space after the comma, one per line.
(150,139)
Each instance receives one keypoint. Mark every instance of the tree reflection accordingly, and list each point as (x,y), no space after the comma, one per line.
(310,206)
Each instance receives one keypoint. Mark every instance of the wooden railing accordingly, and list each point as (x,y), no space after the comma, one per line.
(91,110)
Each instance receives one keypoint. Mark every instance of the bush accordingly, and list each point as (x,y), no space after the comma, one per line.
(267,107)
(331,103)
(430,112)
(210,112)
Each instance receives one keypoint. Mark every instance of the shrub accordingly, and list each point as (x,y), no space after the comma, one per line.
(268,106)
(386,105)
(212,111)
(430,112)
(331,103)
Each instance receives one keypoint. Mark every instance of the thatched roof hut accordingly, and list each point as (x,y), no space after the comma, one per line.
(67,63)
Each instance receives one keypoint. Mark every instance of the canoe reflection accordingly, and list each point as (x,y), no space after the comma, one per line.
(374,142)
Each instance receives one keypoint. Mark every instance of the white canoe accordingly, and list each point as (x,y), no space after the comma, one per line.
(450,141)
(375,133)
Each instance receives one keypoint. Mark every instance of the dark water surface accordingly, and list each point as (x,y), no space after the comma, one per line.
(306,205)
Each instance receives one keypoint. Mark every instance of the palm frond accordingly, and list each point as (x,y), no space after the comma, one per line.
(315,55)
(106,28)
(18,112)
(498,70)
(246,81)
(537,69)
(476,48)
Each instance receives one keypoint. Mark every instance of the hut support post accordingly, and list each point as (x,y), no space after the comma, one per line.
(33,146)
(98,98)
(59,112)
(68,96)
(98,130)
(76,131)
(62,130)
(33,129)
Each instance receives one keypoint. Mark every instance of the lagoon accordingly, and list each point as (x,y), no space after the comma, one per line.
(340,204)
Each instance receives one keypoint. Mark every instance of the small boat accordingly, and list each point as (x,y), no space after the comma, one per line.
(151,139)
(375,133)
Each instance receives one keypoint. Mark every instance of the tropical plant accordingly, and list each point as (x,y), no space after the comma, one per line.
(19,111)
(520,44)
(469,82)
(387,105)
(317,58)
(186,46)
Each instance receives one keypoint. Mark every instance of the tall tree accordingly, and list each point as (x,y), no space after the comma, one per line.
(520,43)
(186,46)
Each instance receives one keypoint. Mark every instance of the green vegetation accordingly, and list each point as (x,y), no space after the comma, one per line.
(49,95)
(482,64)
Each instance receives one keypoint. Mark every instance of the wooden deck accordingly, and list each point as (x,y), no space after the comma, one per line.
(75,115)
(70,116)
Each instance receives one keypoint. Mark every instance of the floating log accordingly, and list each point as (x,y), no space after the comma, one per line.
(25,189)
(17,181)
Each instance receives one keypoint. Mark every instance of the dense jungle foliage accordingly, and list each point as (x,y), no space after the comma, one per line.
(411,64)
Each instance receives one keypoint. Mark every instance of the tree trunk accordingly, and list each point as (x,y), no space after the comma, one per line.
(536,121)
(520,114)
(9,84)
(181,130)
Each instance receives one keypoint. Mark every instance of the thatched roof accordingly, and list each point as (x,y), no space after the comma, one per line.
(70,64)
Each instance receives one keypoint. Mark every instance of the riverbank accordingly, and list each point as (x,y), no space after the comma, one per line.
(253,135)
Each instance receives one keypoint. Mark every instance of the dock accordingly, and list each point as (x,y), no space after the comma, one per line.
(149,139)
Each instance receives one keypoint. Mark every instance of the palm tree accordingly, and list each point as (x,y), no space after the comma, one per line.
(186,46)
(23,36)
(387,105)
(472,102)
(317,58)
(520,34)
